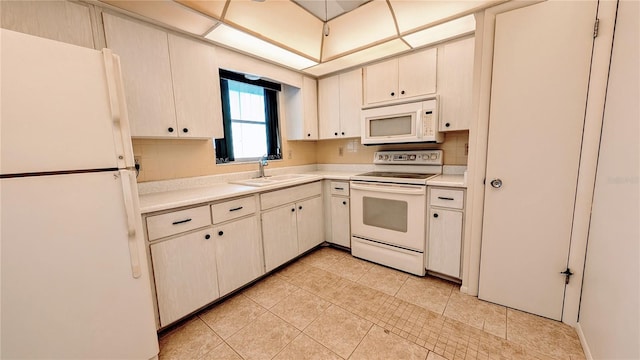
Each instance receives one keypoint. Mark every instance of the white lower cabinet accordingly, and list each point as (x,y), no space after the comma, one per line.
(238,253)
(446,212)
(291,228)
(337,210)
(185,274)
(279,236)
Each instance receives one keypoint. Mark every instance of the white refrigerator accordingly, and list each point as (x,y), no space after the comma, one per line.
(74,275)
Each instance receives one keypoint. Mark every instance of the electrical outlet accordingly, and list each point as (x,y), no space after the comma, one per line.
(137,162)
(340,151)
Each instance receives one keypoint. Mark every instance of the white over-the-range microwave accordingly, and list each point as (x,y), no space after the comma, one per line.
(402,123)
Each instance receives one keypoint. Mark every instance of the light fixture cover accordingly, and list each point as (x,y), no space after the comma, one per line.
(244,42)
(448,30)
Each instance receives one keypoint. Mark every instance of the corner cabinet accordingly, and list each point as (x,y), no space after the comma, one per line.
(444,241)
(171,82)
(301,110)
(403,78)
(337,212)
(292,222)
(339,105)
(455,81)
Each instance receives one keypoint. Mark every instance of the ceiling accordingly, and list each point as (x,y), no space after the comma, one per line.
(292,33)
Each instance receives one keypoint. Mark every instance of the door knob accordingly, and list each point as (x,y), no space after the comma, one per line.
(496,183)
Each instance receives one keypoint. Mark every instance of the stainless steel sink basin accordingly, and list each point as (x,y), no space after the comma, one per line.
(271,180)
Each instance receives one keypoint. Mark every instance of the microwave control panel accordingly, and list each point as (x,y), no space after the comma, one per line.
(428,126)
(409,157)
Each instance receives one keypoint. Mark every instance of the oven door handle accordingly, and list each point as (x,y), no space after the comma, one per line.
(393,189)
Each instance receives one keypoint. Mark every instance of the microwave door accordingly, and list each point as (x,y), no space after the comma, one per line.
(392,129)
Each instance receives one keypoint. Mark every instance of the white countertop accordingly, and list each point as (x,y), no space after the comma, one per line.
(174,198)
(451,180)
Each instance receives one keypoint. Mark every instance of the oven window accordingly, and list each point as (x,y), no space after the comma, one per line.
(385,213)
(400,125)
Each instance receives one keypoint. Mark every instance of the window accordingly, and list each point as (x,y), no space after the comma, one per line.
(250,118)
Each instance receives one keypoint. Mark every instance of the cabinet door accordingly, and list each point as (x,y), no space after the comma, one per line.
(238,253)
(310,108)
(310,223)
(196,87)
(445,241)
(350,103)
(329,107)
(455,82)
(64,21)
(417,74)
(279,236)
(146,71)
(381,82)
(340,229)
(184,269)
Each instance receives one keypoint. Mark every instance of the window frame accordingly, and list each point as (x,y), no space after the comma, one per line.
(224,147)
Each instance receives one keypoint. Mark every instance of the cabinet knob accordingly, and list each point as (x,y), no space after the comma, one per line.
(447,125)
(299,207)
(336,134)
(402,92)
(185,130)
(170,129)
(220,233)
(344,203)
(435,215)
(393,93)
(308,134)
(207,236)
(343,133)
(293,209)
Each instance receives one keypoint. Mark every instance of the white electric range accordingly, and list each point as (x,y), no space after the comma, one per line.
(388,209)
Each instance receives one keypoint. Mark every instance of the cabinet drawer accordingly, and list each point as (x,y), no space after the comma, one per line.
(233,209)
(447,198)
(340,188)
(159,226)
(288,195)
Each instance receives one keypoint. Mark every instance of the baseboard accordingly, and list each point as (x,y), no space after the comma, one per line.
(583,342)
(464,289)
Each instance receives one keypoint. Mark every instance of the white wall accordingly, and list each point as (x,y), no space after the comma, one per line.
(610,307)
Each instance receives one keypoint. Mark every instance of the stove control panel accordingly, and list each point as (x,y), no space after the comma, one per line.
(409,157)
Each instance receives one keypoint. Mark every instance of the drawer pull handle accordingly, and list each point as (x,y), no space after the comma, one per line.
(338,188)
(445,198)
(181,221)
(236,209)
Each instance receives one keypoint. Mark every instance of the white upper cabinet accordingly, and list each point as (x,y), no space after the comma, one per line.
(404,78)
(301,110)
(339,105)
(196,88)
(455,83)
(157,68)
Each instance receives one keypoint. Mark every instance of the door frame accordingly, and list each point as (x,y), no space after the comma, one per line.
(478,137)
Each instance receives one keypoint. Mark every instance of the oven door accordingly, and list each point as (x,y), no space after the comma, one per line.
(392,214)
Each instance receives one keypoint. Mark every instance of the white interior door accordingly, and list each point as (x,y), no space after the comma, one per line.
(541,66)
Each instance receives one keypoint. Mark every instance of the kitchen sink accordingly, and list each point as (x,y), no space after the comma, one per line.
(271,180)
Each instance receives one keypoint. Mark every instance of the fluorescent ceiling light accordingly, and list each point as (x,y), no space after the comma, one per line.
(434,34)
(376,52)
(244,42)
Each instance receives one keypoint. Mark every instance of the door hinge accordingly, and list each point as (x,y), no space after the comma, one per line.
(595,28)
(567,273)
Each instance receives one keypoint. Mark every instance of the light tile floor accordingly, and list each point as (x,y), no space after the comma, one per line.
(330,305)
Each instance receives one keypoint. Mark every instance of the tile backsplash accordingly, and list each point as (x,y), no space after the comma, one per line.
(174,159)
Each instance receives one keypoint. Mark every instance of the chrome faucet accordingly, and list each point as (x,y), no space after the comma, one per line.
(261,164)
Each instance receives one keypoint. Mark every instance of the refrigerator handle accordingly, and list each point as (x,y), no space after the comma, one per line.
(122,135)
(131,223)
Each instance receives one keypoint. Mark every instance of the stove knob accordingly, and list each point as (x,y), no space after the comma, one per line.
(386,157)
(379,157)
(412,157)
(425,156)
(434,156)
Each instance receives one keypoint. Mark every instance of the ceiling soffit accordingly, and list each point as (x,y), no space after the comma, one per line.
(373,30)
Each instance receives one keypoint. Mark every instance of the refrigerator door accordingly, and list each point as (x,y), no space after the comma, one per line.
(70,256)
(60,107)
